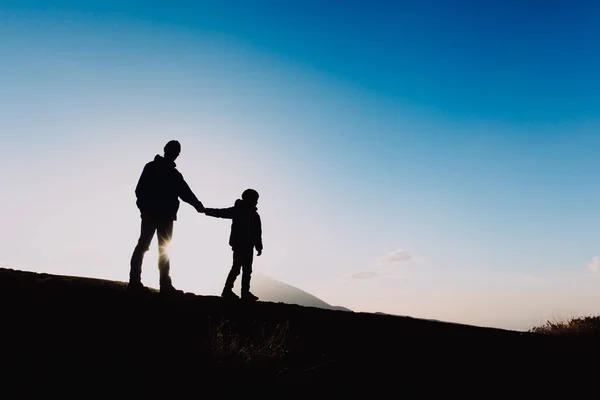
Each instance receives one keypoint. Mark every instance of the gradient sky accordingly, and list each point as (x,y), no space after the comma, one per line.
(435,159)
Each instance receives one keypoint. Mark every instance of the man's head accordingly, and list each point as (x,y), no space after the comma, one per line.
(172,150)
(250,196)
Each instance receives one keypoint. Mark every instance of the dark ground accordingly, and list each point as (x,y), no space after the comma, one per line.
(89,338)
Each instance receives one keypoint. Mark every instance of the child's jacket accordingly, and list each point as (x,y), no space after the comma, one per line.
(246,229)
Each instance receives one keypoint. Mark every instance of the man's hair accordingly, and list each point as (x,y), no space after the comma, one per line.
(172,145)
(250,194)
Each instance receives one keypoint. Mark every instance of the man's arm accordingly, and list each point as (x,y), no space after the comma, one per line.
(143,187)
(220,212)
(186,194)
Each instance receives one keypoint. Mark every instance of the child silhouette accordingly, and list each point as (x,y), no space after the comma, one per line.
(246,235)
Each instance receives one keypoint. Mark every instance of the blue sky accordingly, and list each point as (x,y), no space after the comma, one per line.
(437,159)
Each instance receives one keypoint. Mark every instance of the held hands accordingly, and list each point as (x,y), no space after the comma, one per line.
(199,207)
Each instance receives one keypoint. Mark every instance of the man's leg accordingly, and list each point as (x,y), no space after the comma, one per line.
(147,230)
(164,232)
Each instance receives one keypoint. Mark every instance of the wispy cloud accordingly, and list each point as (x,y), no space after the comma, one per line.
(363,275)
(594,265)
(386,264)
(396,256)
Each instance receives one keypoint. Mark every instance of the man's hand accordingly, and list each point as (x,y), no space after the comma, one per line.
(259,252)
(199,207)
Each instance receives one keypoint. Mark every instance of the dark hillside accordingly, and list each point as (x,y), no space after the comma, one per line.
(79,335)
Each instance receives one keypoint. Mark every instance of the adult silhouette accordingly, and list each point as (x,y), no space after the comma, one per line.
(158,192)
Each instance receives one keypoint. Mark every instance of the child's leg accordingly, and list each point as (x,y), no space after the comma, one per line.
(235,269)
(248,256)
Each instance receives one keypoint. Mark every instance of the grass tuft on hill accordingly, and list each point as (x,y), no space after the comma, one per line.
(580,326)
(258,344)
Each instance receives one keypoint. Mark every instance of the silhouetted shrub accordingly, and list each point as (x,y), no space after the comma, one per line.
(589,326)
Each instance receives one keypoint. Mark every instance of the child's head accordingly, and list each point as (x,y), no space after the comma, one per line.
(250,196)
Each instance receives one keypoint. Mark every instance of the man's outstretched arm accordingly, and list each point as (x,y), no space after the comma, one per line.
(186,194)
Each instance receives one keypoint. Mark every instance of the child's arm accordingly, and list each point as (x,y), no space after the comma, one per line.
(258,245)
(220,212)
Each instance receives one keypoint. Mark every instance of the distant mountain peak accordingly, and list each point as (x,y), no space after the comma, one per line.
(269,289)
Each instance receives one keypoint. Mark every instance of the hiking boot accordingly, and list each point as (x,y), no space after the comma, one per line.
(229,295)
(247,296)
(166,286)
(170,290)
(137,287)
